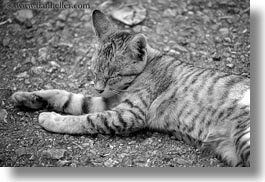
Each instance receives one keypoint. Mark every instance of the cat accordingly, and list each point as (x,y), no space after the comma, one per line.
(144,88)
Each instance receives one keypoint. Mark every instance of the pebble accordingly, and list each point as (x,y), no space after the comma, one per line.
(43,54)
(170,12)
(17,67)
(216,57)
(230,65)
(167,48)
(23,151)
(6,41)
(48,86)
(54,153)
(27,82)
(54,64)
(179,47)
(23,75)
(30,59)
(62,163)
(110,163)
(3,115)
(60,24)
(129,15)
(224,31)
(229,59)
(23,15)
(73,165)
(160,28)
(86,17)
(227,39)
(183,162)
(37,70)
(63,15)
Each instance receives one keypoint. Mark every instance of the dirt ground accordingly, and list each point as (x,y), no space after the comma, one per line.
(52,48)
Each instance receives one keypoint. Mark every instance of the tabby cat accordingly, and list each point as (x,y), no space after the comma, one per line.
(144,88)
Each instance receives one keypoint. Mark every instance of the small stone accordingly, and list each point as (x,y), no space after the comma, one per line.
(36,70)
(216,57)
(86,17)
(170,12)
(17,67)
(48,86)
(224,31)
(3,115)
(23,151)
(160,28)
(229,59)
(60,24)
(180,48)
(167,48)
(63,15)
(129,15)
(54,153)
(30,59)
(23,75)
(110,163)
(6,41)
(245,30)
(227,39)
(174,52)
(245,74)
(190,13)
(54,64)
(73,165)
(230,65)
(43,54)
(141,162)
(62,163)
(27,82)
(23,15)
(183,162)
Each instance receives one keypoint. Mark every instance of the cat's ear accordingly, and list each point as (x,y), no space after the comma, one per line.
(101,24)
(138,46)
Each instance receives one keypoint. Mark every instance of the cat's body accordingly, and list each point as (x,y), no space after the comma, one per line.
(152,90)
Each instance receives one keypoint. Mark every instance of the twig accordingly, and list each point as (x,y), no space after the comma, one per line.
(7,21)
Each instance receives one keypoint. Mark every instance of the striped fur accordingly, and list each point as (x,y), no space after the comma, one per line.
(144,88)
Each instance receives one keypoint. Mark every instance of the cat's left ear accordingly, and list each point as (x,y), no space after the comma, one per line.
(101,24)
(138,45)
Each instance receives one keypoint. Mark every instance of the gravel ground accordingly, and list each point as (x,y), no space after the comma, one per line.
(52,48)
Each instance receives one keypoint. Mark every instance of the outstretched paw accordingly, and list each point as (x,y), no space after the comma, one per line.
(50,121)
(29,100)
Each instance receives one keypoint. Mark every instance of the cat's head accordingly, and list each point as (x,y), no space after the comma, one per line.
(120,57)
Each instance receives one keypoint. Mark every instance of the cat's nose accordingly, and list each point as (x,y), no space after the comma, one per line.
(100,90)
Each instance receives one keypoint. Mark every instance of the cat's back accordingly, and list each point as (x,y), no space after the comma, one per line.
(189,98)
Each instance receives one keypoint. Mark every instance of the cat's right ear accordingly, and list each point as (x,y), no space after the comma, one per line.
(101,24)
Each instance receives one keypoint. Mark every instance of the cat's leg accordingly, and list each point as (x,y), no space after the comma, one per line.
(242,142)
(60,101)
(126,117)
(223,146)
(233,148)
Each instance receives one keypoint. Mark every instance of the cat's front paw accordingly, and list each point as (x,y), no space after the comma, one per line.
(50,121)
(28,99)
